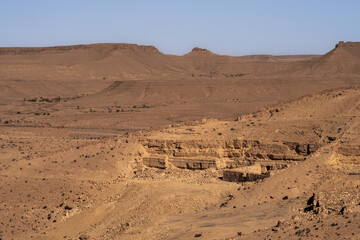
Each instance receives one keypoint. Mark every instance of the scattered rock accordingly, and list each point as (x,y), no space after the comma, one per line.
(84,237)
(303,232)
(67,207)
(311,200)
(311,206)
(198,235)
(342,210)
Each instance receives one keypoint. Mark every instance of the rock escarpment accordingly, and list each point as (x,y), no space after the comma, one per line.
(270,139)
(224,154)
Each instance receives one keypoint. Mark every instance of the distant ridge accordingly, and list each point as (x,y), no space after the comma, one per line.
(120,61)
(109,46)
(347,44)
(197,50)
(343,59)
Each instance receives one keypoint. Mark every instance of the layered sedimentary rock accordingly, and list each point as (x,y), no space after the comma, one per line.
(245,174)
(225,154)
(238,175)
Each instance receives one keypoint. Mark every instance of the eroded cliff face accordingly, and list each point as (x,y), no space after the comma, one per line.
(223,154)
(239,160)
(255,145)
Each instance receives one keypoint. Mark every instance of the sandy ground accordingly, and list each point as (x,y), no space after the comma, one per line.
(73,144)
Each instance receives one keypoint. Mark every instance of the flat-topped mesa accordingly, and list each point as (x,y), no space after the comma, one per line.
(70,48)
(343,44)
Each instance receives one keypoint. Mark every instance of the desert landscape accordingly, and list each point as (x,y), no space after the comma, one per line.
(122,141)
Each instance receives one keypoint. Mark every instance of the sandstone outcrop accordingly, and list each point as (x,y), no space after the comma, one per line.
(245,174)
(248,159)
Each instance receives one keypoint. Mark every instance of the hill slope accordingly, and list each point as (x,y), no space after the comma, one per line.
(66,183)
(130,61)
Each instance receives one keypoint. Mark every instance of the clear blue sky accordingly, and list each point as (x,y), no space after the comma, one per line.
(232,27)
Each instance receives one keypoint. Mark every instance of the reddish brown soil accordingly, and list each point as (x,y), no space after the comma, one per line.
(77,124)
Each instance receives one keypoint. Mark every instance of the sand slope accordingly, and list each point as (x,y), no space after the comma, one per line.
(64,183)
(120,141)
